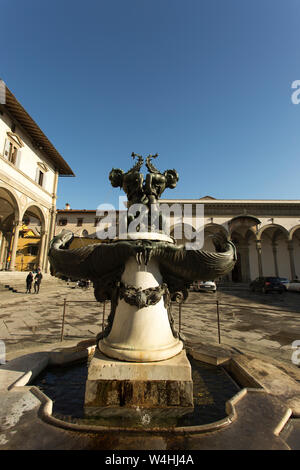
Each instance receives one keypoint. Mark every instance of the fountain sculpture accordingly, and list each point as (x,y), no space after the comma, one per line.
(140,361)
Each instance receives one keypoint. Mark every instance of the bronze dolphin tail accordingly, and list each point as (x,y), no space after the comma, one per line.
(192,265)
(90,261)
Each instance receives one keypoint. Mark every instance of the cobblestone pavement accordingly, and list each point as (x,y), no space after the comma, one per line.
(251,322)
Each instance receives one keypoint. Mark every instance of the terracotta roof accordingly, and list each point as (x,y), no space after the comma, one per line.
(35,133)
(79,211)
(66,211)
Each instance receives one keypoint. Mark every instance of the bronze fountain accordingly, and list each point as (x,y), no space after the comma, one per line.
(140,275)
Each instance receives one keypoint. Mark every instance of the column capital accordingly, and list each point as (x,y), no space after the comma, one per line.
(17,223)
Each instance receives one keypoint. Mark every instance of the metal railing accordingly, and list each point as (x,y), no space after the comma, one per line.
(78,301)
(180,303)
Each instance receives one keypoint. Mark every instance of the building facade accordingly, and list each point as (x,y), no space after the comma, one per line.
(266,232)
(83,223)
(29,171)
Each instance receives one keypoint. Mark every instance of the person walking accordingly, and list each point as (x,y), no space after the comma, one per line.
(29,280)
(38,279)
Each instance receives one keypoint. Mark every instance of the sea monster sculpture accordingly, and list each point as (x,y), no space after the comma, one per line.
(104,263)
(145,193)
(131,182)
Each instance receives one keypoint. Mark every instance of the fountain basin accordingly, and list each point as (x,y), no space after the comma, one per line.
(252,418)
(65,386)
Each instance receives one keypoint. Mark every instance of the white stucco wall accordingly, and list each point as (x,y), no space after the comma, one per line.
(88,223)
(25,173)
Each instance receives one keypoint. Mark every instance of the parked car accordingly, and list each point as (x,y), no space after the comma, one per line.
(267,284)
(294,285)
(83,283)
(285,281)
(205,286)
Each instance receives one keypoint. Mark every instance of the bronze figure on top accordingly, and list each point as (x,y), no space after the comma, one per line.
(146,192)
(139,190)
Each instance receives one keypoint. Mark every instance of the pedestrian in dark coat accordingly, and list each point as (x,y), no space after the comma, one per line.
(38,279)
(29,280)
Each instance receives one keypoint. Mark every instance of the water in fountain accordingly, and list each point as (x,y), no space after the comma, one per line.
(65,386)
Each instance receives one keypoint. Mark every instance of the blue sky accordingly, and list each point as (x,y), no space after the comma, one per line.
(205,83)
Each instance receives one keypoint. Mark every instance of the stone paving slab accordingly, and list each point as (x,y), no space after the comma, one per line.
(273,380)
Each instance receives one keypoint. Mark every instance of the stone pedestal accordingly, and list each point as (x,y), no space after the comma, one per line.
(118,388)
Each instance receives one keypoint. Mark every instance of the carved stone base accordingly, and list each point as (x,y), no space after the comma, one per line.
(115,387)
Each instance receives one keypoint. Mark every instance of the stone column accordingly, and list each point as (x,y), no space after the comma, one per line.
(3,251)
(274,248)
(17,225)
(1,247)
(51,234)
(52,221)
(292,261)
(258,249)
(46,249)
(42,249)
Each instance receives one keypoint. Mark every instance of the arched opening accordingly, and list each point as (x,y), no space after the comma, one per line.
(243,229)
(9,213)
(252,255)
(30,251)
(238,273)
(296,251)
(274,249)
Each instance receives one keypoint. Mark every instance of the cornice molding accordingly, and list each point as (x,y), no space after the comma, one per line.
(17,186)
(23,174)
